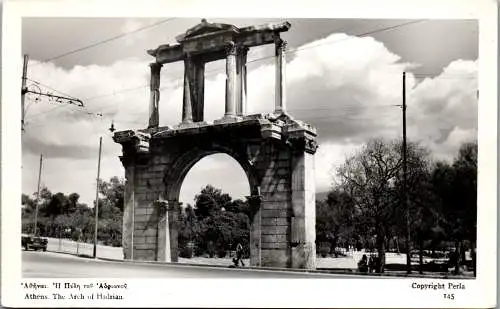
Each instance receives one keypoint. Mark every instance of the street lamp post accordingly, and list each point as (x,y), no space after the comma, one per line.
(96,209)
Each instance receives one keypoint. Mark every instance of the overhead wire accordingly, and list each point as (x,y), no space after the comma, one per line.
(74,51)
(49,87)
(210,72)
(178,81)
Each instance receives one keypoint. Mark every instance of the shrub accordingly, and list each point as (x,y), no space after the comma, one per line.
(199,250)
(324,251)
(117,243)
(186,252)
(211,249)
(75,235)
(221,253)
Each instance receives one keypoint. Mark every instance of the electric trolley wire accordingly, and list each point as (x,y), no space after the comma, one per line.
(379,30)
(74,51)
(210,72)
(49,87)
(176,82)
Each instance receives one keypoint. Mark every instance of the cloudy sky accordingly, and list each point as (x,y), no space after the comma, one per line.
(344,76)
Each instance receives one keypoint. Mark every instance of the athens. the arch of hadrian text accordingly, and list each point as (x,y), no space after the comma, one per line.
(275,151)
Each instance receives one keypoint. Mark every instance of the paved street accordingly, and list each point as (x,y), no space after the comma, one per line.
(56,265)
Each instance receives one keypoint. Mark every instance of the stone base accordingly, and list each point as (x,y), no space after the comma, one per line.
(185,125)
(228,119)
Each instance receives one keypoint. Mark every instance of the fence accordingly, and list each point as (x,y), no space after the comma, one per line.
(81,248)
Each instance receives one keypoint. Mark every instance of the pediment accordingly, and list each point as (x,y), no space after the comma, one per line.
(204,28)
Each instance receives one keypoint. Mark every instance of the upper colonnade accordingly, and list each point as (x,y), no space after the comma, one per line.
(208,42)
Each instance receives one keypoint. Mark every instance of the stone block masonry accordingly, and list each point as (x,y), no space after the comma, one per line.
(280,172)
(275,151)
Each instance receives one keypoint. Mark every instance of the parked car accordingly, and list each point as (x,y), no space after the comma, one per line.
(34,242)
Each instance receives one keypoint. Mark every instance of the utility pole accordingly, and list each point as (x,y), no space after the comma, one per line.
(405,184)
(96,209)
(24,90)
(35,232)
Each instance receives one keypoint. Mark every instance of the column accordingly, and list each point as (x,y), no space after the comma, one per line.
(128,225)
(241,101)
(303,221)
(199,90)
(255,201)
(230,80)
(155,95)
(280,94)
(187,108)
(163,234)
(173,229)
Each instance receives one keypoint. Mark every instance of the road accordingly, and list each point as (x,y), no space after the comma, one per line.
(37,264)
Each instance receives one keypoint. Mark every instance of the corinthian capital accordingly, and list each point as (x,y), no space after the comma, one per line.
(281,44)
(155,67)
(231,49)
(242,49)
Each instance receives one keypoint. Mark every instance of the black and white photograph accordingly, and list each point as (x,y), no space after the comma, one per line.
(205,146)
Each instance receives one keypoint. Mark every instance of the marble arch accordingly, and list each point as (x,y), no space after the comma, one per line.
(275,150)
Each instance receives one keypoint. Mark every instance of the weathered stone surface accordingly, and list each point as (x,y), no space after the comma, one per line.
(143,218)
(144,255)
(274,221)
(140,225)
(143,211)
(275,258)
(276,230)
(276,197)
(140,197)
(146,246)
(139,239)
(274,245)
(148,232)
(276,213)
(275,151)
(274,238)
(276,205)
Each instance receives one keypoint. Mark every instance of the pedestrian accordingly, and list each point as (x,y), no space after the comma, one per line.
(239,255)
(371,264)
(362,264)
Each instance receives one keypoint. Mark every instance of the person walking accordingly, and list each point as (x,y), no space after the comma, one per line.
(239,255)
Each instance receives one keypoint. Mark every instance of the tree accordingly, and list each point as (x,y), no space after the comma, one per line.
(111,210)
(419,198)
(188,229)
(455,186)
(57,205)
(215,224)
(73,202)
(59,212)
(465,184)
(28,205)
(113,192)
(334,218)
(210,200)
(223,230)
(369,177)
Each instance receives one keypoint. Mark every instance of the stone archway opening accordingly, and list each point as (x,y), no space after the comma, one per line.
(214,223)
(219,170)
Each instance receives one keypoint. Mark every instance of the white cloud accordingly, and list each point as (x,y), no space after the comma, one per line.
(348,90)
(131,25)
(442,111)
(329,157)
